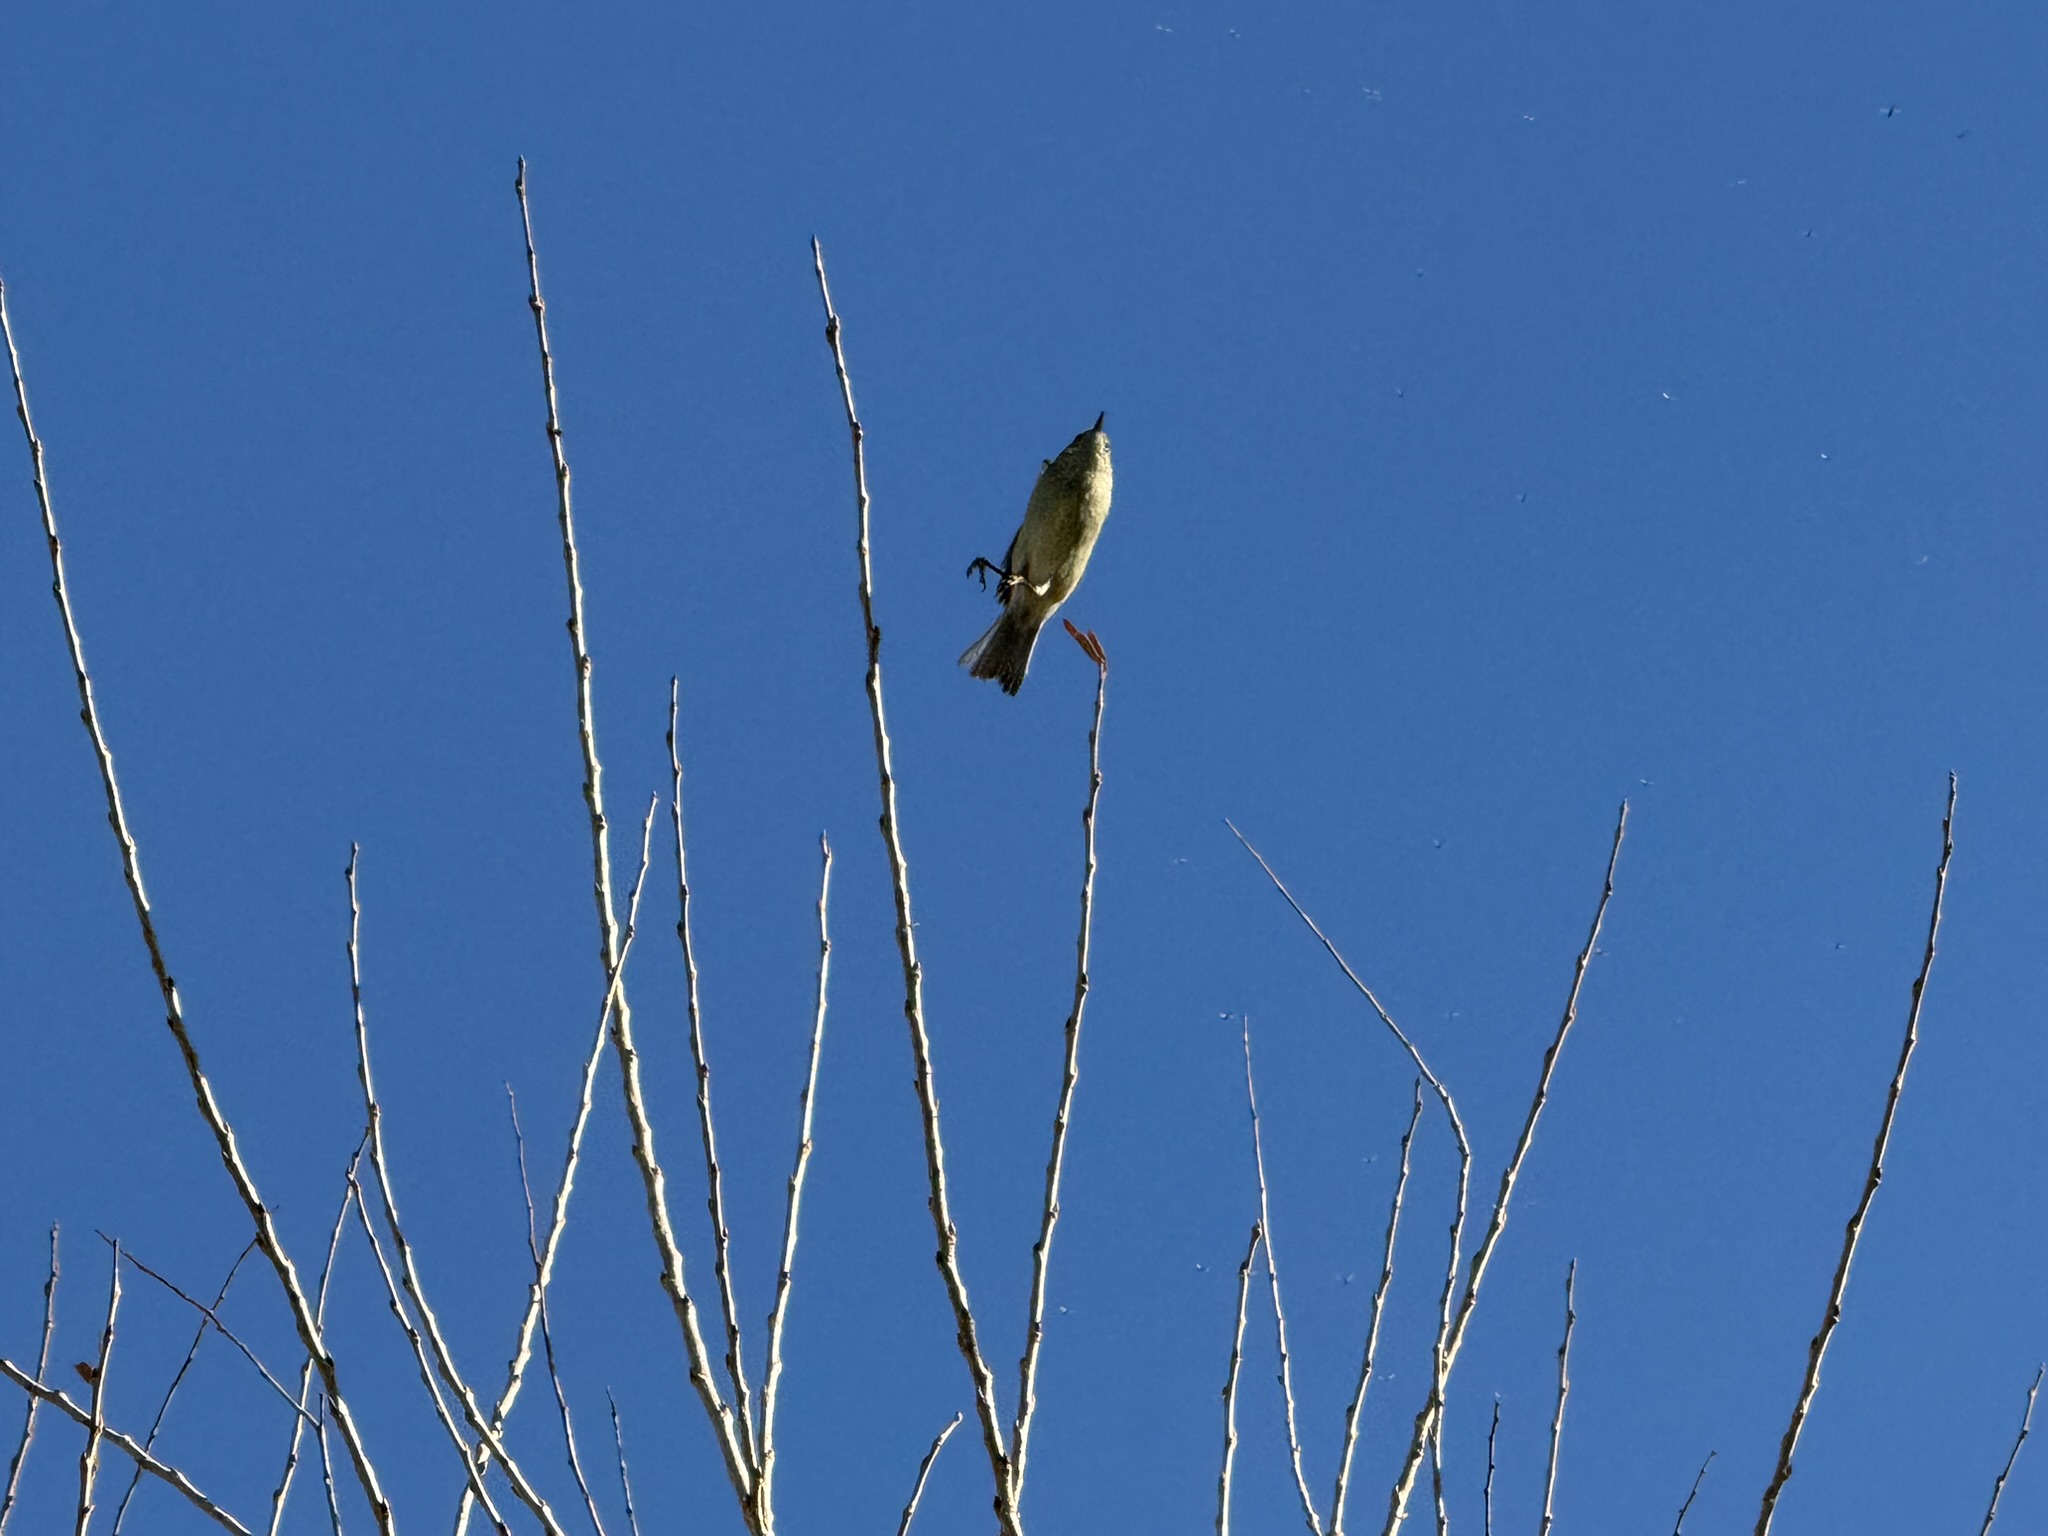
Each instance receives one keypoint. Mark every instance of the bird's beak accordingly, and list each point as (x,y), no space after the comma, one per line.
(1099,419)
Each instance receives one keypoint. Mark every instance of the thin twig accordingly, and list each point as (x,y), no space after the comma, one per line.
(1492,1434)
(198,1337)
(1041,1253)
(654,1182)
(174,1010)
(1397,1502)
(547,1341)
(122,1443)
(1355,1411)
(625,1478)
(1436,1083)
(547,1333)
(95,1429)
(1443,1349)
(394,1296)
(291,1455)
(2026,1423)
(1308,1507)
(1564,1390)
(327,1474)
(771,1375)
(1818,1349)
(948,1255)
(537,1288)
(28,1421)
(210,1318)
(1678,1528)
(1244,1291)
(924,1470)
(408,1267)
(714,1172)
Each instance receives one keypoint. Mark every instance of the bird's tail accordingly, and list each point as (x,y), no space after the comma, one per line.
(1004,653)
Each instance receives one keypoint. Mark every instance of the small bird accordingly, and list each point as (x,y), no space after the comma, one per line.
(1047,557)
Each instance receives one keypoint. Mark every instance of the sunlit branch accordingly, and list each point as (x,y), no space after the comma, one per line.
(771,1378)
(547,1332)
(429,1328)
(208,1319)
(1564,1390)
(1308,1506)
(1817,1350)
(291,1456)
(1041,1253)
(1426,1422)
(947,1234)
(174,1009)
(924,1470)
(96,1425)
(2026,1423)
(1244,1292)
(28,1421)
(714,1172)
(565,1186)
(126,1445)
(653,1181)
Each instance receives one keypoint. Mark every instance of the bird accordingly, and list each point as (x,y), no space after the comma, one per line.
(1046,559)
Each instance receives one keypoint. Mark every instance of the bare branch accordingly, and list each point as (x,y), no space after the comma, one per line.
(1818,1349)
(1444,1349)
(96,1375)
(209,1318)
(655,1183)
(547,1334)
(714,1173)
(1430,1421)
(1436,1478)
(122,1443)
(327,1469)
(1678,1529)
(924,1470)
(948,1255)
(1436,1084)
(28,1421)
(1492,1434)
(1041,1253)
(544,1269)
(1497,1222)
(291,1455)
(408,1268)
(174,1010)
(1564,1389)
(625,1480)
(198,1337)
(1244,1291)
(428,1378)
(771,1377)
(2026,1423)
(1308,1507)
(1356,1409)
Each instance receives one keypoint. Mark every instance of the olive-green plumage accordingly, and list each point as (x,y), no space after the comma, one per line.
(1068,507)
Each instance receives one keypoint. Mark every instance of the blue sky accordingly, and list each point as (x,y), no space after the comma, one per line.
(1515,410)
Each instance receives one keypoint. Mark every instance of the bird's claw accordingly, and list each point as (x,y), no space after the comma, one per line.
(982,566)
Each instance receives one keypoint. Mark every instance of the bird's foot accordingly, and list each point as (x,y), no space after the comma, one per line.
(985,567)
